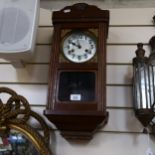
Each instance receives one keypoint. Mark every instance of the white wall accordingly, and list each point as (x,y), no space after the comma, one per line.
(123,133)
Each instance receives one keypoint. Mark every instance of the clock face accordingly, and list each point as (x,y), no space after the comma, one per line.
(79,46)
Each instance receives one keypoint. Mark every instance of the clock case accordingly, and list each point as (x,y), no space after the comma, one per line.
(78,119)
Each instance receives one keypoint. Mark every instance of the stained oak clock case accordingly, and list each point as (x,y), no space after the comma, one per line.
(77,89)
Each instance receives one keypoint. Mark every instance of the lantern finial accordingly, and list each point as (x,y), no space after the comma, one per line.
(140,52)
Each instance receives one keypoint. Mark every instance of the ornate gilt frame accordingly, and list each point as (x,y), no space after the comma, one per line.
(15,113)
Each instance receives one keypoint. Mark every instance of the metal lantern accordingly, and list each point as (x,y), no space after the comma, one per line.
(143,87)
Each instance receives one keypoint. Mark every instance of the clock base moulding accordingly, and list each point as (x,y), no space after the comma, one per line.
(77,125)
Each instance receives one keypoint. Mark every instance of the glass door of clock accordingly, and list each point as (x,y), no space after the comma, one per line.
(76,86)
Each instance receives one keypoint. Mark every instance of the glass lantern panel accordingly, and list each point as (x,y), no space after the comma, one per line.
(144,86)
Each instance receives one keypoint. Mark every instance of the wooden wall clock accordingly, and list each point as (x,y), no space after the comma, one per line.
(77,77)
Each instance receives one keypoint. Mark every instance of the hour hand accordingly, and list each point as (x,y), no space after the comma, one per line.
(75,44)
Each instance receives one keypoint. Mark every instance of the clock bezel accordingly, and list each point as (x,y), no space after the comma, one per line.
(85,32)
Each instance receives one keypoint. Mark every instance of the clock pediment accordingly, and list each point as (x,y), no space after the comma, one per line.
(80,12)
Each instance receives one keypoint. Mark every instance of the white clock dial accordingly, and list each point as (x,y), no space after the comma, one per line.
(79,47)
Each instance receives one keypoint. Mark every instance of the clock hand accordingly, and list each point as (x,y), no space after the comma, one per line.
(77,45)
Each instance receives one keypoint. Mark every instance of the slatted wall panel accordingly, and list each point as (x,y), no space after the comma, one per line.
(122,135)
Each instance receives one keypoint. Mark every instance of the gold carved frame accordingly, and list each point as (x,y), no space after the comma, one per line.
(15,113)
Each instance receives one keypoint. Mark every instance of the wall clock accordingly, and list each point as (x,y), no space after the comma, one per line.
(77,88)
